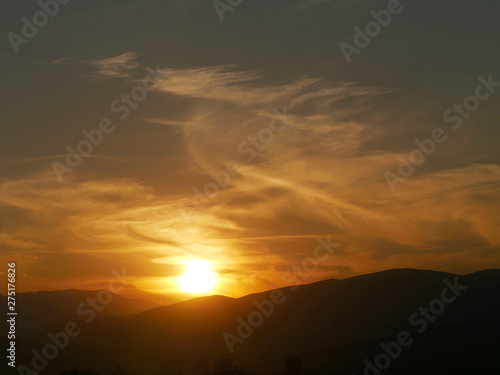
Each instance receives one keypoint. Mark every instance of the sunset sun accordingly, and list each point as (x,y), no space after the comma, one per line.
(198,278)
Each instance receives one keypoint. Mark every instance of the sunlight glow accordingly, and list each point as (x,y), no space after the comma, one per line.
(198,277)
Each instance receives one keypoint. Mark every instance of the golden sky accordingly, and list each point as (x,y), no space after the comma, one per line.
(130,204)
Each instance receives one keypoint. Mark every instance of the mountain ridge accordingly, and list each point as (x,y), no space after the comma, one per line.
(350,313)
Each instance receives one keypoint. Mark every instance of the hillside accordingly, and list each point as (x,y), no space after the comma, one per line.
(38,310)
(347,317)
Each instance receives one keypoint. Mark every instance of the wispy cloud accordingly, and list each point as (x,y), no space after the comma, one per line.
(114,67)
(317,177)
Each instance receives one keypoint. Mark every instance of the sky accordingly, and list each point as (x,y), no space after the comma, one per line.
(306,146)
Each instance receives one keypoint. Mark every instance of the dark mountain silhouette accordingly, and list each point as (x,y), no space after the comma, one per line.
(38,310)
(332,325)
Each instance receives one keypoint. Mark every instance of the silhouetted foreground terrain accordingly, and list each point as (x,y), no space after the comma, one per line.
(333,326)
(43,309)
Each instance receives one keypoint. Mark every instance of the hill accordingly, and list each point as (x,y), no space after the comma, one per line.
(333,325)
(38,310)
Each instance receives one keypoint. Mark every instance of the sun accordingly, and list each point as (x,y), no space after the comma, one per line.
(198,277)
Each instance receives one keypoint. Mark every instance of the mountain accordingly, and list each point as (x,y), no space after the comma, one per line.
(38,310)
(332,325)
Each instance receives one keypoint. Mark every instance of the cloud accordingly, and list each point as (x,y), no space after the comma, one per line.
(315,178)
(324,172)
(248,88)
(114,67)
